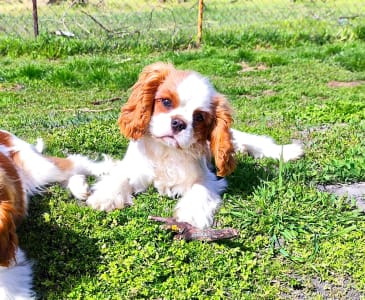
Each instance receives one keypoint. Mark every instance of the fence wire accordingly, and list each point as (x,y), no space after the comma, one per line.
(173,19)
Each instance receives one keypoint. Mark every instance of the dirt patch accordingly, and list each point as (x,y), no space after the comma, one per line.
(247,68)
(338,84)
(269,93)
(308,132)
(354,191)
(343,289)
(11,88)
(310,288)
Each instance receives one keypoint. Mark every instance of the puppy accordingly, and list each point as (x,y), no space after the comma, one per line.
(23,172)
(178,125)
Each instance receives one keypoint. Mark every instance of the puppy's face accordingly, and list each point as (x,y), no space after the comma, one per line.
(182,111)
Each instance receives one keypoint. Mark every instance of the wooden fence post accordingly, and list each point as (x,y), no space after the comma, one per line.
(35,18)
(200,23)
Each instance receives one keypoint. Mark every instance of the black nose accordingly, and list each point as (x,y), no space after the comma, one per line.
(177,125)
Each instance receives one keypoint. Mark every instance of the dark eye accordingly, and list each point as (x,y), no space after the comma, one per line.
(166,102)
(198,117)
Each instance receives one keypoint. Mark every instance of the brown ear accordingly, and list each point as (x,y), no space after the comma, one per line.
(8,214)
(136,113)
(220,139)
(8,236)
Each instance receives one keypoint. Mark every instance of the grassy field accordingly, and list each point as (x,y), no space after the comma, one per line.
(288,78)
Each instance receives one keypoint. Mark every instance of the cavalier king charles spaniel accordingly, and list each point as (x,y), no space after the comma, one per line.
(25,171)
(179,125)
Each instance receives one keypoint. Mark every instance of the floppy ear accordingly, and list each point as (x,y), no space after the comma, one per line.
(136,113)
(8,213)
(8,236)
(220,139)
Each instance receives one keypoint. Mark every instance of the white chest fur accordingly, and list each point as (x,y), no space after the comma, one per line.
(174,170)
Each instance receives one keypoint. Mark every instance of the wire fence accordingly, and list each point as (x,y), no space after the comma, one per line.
(173,19)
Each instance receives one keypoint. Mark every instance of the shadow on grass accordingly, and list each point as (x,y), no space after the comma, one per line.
(63,257)
(249,174)
(60,255)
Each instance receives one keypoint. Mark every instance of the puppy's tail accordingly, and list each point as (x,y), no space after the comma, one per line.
(260,146)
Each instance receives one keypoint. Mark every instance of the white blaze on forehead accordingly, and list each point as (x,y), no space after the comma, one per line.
(194,92)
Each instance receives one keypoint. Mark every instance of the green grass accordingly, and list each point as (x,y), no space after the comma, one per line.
(291,234)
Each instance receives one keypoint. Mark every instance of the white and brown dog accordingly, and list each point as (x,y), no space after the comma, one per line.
(23,172)
(178,123)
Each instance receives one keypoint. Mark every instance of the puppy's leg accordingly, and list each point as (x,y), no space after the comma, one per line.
(131,175)
(80,167)
(37,170)
(198,206)
(75,168)
(83,165)
(114,190)
(260,146)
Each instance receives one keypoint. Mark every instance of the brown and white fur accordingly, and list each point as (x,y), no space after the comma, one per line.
(23,172)
(178,123)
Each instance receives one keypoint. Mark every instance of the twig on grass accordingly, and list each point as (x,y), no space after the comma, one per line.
(98,102)
(349,17)
(187,232)
(96,110)
(87,109)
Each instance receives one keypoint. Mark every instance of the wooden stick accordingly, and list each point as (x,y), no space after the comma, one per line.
(35,18)
(187,232)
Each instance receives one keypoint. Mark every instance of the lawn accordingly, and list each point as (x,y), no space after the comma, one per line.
(293,77)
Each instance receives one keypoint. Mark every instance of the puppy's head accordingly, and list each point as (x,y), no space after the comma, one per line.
(181,109)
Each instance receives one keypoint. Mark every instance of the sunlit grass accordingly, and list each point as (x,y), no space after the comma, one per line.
(69,91)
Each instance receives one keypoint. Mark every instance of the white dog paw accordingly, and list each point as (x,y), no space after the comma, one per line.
(78,186)
(199,220)
(102,201)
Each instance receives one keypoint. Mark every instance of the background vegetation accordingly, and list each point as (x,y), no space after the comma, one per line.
(292,70)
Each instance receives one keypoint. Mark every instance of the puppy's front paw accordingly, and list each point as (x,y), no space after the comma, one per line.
(198,219)
(108,200)
(99,202)
(78,186)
